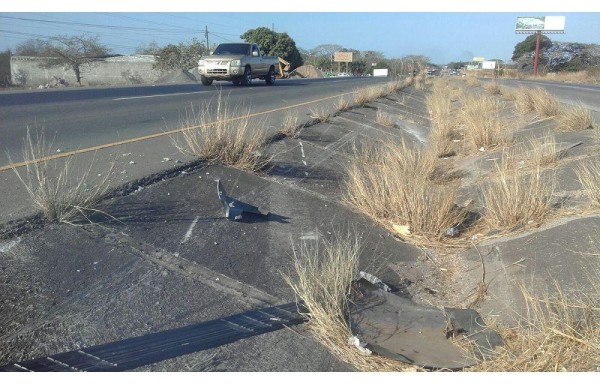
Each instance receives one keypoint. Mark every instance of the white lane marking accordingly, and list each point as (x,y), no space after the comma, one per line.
(310,236)
(165,95)
(190,229)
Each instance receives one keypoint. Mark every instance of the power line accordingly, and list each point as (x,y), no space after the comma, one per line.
(93,25)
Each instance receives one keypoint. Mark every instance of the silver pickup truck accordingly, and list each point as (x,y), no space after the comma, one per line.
(238,63)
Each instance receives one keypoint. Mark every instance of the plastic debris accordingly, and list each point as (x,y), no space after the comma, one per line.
(376,281)
(452,232)
(165,159)
(132,162)
(353,340)
(235,208)
(482,149)
(403,230)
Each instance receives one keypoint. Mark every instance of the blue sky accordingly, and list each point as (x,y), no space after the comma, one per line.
(443,36)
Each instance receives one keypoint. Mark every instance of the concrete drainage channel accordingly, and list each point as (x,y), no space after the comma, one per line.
(125,292)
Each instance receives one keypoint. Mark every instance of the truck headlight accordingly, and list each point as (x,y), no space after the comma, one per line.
(201,63)
(236,63)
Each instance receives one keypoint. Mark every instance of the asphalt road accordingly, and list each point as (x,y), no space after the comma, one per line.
(87,117)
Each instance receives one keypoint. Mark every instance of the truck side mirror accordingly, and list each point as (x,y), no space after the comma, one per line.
(255,53)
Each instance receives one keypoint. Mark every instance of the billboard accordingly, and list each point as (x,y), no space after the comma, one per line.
(381,72)
(547,24)
(488,64)
(342,57)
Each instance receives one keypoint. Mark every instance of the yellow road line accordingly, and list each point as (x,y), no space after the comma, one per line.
(155,135)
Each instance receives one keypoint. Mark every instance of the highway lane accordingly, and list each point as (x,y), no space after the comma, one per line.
(87,117)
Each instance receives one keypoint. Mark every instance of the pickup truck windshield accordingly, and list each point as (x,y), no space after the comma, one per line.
(233,49)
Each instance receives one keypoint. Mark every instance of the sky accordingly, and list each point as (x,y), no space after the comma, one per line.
(443,31)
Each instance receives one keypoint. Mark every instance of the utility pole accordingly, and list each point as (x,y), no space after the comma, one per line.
(206,35)
(536,60)
(273,27)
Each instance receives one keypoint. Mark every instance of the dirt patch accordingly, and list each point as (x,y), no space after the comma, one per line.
(307,72)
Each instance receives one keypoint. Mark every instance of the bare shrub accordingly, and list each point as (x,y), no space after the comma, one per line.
(589,177)
(393,184)
(516,198)
(64,192)
(322,282)
(575,118)
(225,137)
(484,125)
(384,118)
(289,126)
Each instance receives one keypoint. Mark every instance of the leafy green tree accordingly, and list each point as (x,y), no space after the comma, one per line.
(275,44)
(181,56)
(528,45)
(75,52)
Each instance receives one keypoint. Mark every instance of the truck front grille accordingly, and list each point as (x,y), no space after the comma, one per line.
(216,71)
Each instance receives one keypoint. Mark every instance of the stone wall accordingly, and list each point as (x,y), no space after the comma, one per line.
(118,70)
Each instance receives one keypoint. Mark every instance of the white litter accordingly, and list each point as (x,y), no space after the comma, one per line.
(353,340)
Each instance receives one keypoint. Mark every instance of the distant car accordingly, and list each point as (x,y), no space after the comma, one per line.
(343,74)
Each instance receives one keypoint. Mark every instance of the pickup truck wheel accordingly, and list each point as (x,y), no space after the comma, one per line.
(270,78)
(247,78)
(205,81)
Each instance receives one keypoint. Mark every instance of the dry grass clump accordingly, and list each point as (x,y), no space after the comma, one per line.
(322,283)
(507,93)
(516,198)
(64,192)
(544,151)
(576,118)
(342,105)
(524,100)
(538,100)
(484,125)
(319,113)
(544,103)
(557,334)
(366,94)
(384,118)
(473,82)
(589,177)
(393,184)
(224,136)
(493,88)
(443,120)
(289,126)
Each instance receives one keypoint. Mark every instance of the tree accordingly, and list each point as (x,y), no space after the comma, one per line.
(528,45)
(5,68)
(32,47)
(73,51)
(275,44)
(181,56)
(151,48)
